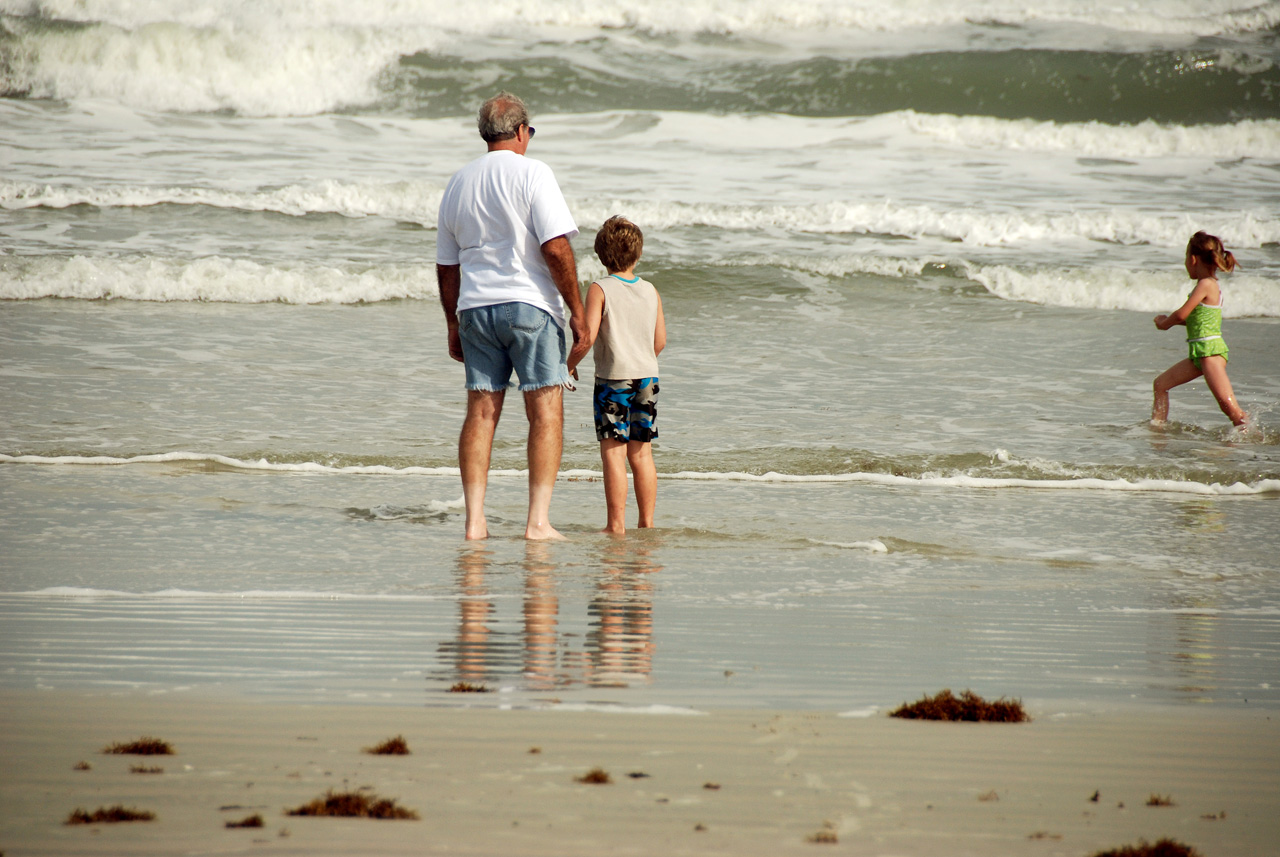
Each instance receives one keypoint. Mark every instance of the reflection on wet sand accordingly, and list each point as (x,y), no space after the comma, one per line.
(614,650)
(621,638)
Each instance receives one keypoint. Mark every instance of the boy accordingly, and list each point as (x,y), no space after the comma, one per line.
(627,329)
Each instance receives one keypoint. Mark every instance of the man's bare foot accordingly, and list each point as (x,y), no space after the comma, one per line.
(479,530)
(542,532)
(615,531)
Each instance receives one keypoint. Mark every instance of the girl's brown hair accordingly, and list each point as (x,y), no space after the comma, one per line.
(618,243)
(1208,249)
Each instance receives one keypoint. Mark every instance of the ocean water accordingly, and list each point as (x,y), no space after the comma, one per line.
(909,255)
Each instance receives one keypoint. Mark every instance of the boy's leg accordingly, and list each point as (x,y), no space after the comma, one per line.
(1176,375)
(475,445)
(545,410)
(1214,368)
(645,477)
(613,455)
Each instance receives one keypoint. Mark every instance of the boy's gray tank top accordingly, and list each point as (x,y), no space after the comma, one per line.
(624,345)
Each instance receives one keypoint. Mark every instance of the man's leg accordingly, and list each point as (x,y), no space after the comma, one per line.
(475,445)
(545,410)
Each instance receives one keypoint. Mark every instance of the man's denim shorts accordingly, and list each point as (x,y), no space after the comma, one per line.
(499,338)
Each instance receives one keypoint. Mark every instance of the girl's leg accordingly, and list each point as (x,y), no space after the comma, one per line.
(1215,375)
(1176,375)
(613,455)
(645,476)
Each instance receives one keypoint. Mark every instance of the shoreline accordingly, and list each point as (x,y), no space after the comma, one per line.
(783,780)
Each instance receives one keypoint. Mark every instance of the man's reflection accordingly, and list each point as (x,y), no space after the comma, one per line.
(471,654)
(541,616)
(617,650)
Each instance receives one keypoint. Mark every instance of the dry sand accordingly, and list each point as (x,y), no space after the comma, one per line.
(881,786)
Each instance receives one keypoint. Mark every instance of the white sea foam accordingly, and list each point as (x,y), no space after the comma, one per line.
(1140,291)
(978,226)
(409,200)
(1167,486)
(303,57)
(1258,138)
(209,279)
(170,66)
(1193,17)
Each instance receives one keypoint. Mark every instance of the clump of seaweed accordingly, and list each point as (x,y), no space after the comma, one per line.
(254,820)
(82,766)
(825,836)
(968,707)
(143,769)
(1160,800)
(142,747)
(595,776)
(1162,848)
(109,815)
(354,805)
(396,746)
(467,687)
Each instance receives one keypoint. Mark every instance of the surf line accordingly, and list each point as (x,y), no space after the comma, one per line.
(1167,486)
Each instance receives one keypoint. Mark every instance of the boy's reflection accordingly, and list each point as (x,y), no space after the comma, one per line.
(618,647)
(621,637)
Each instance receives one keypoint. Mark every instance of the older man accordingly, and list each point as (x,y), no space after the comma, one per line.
(509,285)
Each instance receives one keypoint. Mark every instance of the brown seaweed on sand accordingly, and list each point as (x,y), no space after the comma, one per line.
(142,747)
(143,769)
(396,746)
(254,820)
(353,805)
(467,687)
(967,707)
(826,836)
(595,776)
(1162,848)
(109,815)
(1160,800)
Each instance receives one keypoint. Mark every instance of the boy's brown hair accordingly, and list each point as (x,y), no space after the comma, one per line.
(618,243)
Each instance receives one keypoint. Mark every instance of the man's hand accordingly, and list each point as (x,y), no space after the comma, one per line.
(455,343)
(449,279)
(581,341)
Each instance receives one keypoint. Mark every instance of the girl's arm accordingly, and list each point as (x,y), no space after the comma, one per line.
(659,331)
(595,312)
(1179,315)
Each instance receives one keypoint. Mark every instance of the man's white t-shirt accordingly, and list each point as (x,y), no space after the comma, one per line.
(495,215)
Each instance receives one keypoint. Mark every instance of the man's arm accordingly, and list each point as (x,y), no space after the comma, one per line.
(558,253)
(449,279)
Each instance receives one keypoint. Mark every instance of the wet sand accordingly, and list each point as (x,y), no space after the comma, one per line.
(495,782)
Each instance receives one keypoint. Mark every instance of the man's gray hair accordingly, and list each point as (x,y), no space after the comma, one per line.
(501,116)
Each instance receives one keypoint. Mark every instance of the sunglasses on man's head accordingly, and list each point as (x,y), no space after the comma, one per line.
(531,130)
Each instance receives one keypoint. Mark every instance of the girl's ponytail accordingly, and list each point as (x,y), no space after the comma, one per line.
(1208,249)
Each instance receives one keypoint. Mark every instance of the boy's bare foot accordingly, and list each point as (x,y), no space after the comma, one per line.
(542,532)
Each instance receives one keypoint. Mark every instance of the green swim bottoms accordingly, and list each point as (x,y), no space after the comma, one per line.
(1208,348)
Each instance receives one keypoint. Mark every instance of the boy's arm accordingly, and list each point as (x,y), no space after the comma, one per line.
(595,312)
(1179,315)
(659,331)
